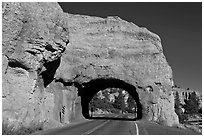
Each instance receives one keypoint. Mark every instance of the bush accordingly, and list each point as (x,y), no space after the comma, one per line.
(200,111)
(183,118)
(21,130)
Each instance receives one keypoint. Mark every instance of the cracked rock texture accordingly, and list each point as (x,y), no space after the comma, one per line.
(44,48)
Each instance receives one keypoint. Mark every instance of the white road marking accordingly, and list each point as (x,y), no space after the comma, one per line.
(94,129)
(137,130)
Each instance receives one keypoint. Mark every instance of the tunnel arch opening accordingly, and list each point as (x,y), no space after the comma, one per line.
(113,103)
(90,89)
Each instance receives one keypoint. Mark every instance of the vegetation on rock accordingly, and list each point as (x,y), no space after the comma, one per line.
(21,130)
(188,107)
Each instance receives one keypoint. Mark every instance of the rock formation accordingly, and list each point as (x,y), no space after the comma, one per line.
(114,48)
(34,37)
(49,55)
(185,93)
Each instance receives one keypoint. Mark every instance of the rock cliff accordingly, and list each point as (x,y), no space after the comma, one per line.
(113,48)
(34,37)
(49,55)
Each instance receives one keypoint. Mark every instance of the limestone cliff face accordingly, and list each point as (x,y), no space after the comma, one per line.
(113,48)
(48,55)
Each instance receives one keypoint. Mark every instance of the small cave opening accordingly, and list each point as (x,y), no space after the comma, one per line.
(17,64)
(110,99)
(50,48)
(48,74)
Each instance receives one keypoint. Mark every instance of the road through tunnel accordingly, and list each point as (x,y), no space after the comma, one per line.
(91,88)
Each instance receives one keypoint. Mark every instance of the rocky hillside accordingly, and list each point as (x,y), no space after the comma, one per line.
(50,56)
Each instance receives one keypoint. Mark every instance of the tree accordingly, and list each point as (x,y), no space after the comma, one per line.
(177,104)
(99,102)
(94,104)
(178,108)
(192,104)
(131,104)
(200,110)
(119,102)
(106,94)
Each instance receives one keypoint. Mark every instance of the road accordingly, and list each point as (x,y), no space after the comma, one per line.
(117,127)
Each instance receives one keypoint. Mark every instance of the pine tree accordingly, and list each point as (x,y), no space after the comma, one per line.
(131,104)
(95,103)
(119,102)
(102,103)
(177,101)
(192,104)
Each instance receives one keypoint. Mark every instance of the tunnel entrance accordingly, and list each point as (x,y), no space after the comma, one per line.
(113,103)
(109,94)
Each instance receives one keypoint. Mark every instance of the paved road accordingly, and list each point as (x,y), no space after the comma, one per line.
(150,128)
(116,127)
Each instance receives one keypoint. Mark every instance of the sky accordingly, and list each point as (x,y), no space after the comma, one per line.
(179,26)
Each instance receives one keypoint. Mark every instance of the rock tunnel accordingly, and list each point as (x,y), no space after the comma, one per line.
(75,97)
(92,87)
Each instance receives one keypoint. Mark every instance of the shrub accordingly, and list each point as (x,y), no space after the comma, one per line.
(183,117)
(21,130)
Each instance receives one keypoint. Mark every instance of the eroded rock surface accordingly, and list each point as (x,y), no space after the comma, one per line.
(34,38)
(42,74)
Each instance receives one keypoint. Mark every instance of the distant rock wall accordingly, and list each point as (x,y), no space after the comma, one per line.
(47,55)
